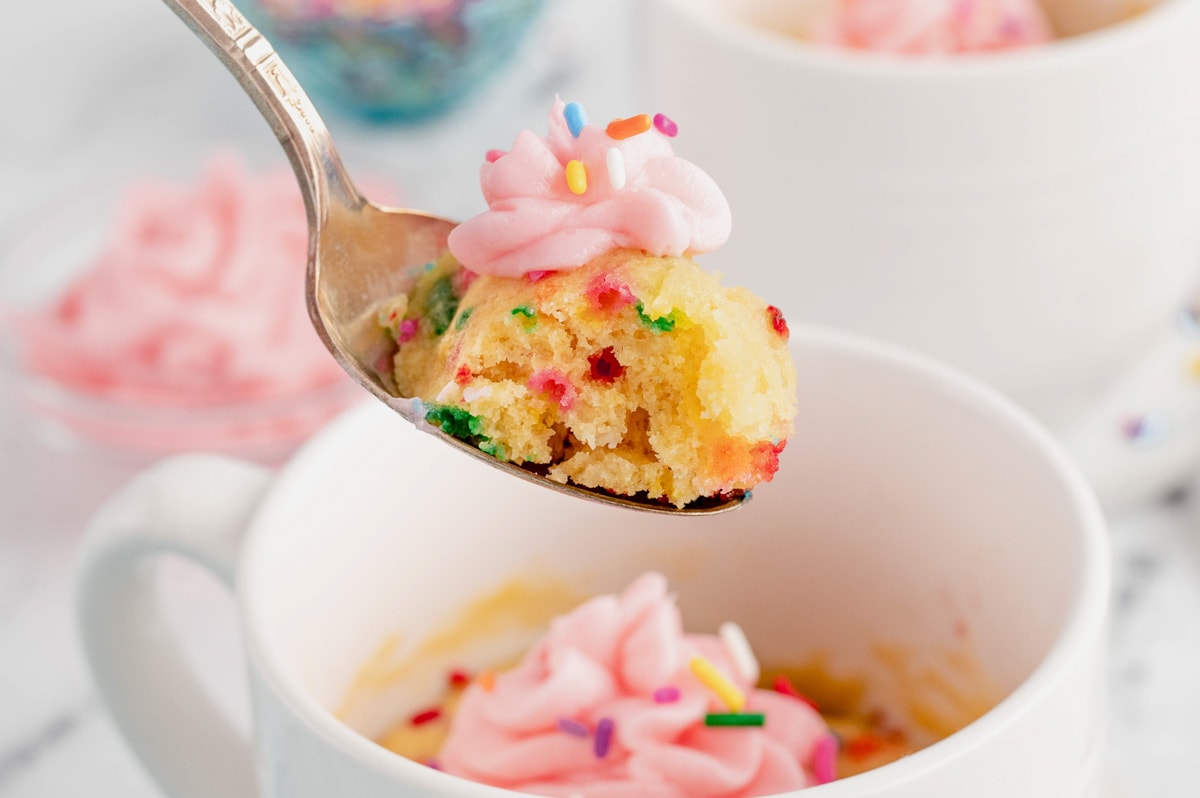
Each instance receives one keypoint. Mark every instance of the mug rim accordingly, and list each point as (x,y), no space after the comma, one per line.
(1083,623)
(759,42)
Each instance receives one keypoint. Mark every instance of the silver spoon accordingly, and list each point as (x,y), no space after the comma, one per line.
(359,254)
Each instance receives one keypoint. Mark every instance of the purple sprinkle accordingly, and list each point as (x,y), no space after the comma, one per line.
(604,733)
(666,695)
(573,727)
(825,759)
(433,763)
(664,125)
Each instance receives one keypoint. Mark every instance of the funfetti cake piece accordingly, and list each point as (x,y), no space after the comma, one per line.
(930,27)
(571,330)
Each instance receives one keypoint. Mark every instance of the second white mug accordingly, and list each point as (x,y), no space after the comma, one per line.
(1032,217)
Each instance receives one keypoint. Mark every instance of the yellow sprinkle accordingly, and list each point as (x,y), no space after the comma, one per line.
(487,680)
(576,177)
(719,683)
(1195,367)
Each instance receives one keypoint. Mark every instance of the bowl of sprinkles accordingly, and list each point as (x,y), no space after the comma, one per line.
(394,60)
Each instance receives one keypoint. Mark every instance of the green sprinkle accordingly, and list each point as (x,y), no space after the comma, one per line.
(662,324)
(441,305)
(734,719)
(524,310)
(429,266)
(462,318)
(457,422)
(495,449)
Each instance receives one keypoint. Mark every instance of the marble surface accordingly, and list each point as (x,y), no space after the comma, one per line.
(110,90)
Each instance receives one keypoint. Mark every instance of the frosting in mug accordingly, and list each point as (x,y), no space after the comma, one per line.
(644,197)
(611,660)
(931,26)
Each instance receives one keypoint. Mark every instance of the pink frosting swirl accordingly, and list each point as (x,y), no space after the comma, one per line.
(925,27)
(195,298)
(606,659)
(534,222)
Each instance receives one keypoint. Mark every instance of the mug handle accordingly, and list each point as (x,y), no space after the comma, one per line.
(197,507)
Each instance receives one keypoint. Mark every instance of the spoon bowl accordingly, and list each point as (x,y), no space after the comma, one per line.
(360,255)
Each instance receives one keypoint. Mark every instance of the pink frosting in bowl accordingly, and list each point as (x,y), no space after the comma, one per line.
(655,202)
(181,324)
(931,27)
(608,665)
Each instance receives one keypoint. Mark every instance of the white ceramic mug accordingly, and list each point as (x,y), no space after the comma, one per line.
(914,510)
(1032,217)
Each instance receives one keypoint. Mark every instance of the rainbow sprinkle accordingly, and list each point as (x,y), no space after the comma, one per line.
(621,129)
(572,727)
(784,685)
(425,716)
(487,681)
(615,161)
(494,155)
(739,651)
(735,719)
(458,679)
(604,366)
(824,762)
(664,124)
(666,695)
(604,735)
(576,118)
(576,174)
(712,678)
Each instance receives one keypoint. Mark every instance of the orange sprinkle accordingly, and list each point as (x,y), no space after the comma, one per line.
(487,680)
(628,128)
(864,746)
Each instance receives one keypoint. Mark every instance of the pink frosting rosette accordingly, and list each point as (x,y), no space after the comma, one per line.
(664,205)
(195,298)
(928,27)
(603,664)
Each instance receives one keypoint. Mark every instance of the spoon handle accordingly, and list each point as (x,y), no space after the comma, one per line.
(281,101)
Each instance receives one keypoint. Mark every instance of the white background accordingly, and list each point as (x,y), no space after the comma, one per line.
(105,90)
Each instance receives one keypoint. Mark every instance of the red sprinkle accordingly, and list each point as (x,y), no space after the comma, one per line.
(605,366)
(463,376)
(495,155)
(538,275)
(426,716)
(778,322)
(664,124)
(556,385)
(459,678)
(606,293)
(784,685)
(628,128)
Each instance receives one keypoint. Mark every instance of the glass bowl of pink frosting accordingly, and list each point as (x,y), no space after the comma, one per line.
(168,316)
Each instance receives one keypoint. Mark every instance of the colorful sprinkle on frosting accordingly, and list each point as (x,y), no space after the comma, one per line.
(620,129)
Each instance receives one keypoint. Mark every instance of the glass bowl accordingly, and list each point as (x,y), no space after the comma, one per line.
(387,66)
(38,261)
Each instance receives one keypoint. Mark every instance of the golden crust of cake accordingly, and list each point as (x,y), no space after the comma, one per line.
(632,373)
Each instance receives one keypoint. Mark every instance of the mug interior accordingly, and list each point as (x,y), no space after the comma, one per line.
(922,540)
